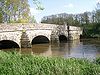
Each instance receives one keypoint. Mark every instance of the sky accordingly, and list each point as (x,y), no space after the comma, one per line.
(52,7)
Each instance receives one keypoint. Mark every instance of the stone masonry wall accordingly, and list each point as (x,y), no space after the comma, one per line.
(14,31)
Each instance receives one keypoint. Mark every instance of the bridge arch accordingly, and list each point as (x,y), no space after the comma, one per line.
(4,44)
(40,39)
(11,36)
(63,39)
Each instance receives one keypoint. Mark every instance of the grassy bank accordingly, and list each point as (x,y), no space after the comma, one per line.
(13,63)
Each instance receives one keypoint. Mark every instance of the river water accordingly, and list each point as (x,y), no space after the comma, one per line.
(87,48)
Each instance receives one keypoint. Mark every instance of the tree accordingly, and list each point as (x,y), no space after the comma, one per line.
(32,20)
(76,21)
(93,17)
(16,10)
(1,18)
(97,15)
(70,19)
(38,5)
(13,10)
(86,17)
(59,19)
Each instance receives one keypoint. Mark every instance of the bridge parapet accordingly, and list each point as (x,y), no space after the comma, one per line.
(19,26)
(15,27)
(25,26)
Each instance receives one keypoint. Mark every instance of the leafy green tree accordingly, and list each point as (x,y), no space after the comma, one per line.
(1,18)
(97,15)
(69,20)
(76,21)
(86,18)
(16,10)
(32,20)
(38,4)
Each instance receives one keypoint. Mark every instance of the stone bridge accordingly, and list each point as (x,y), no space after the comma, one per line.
(24,35)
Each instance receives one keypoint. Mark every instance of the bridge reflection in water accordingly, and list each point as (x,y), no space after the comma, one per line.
(83,49)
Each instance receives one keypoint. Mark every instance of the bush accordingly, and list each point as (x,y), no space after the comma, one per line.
(97,60)
(91,30)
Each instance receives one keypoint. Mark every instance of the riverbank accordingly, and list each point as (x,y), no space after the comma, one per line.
(91,40)
(13,63)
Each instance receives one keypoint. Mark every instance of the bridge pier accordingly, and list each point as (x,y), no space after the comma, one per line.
(54,39)
(25,43)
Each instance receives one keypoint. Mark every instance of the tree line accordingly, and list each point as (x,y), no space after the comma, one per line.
(89,21)
(74,19)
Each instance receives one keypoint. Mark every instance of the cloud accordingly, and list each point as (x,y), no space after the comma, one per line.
(98,1)
(34,11)
(69,5)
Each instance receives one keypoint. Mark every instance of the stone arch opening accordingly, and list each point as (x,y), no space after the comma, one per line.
(63,39)
(40,40)
(5,44)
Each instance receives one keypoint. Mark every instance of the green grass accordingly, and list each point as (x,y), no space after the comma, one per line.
(13,63)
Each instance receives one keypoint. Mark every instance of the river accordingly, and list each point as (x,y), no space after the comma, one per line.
(86,48)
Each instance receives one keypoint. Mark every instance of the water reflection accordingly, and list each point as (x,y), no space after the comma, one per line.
(42,49)
(77,48)
(69,49)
